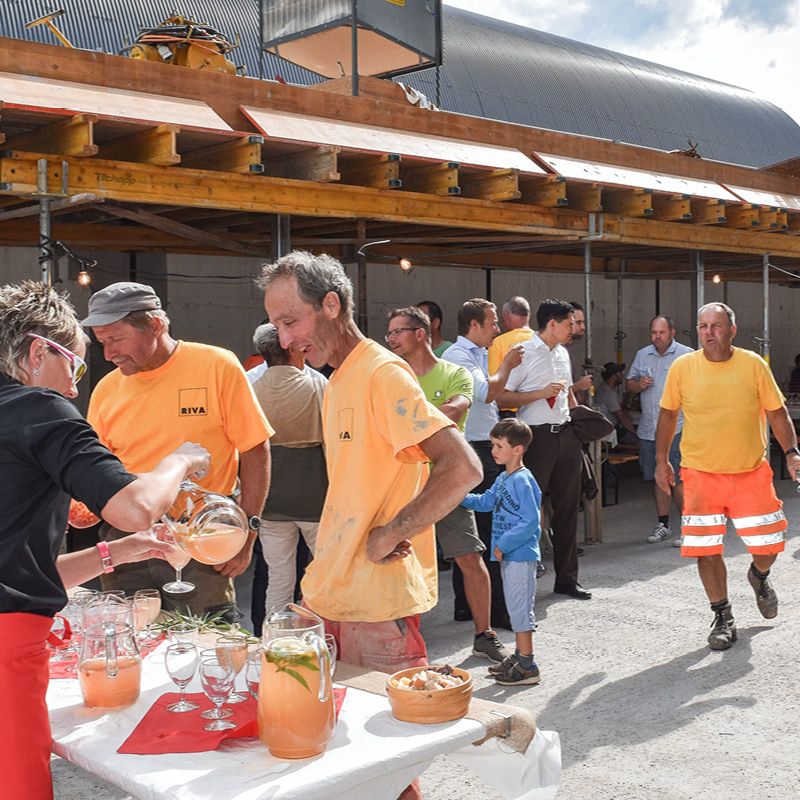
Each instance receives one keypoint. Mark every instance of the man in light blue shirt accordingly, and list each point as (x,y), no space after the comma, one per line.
(477,327)
(647,377)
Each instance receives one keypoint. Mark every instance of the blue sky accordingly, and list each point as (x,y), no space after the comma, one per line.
(747,43)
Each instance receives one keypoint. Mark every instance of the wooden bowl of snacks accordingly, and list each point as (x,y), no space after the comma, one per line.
(429,694)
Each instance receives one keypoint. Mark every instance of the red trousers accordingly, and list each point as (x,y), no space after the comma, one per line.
(24,724)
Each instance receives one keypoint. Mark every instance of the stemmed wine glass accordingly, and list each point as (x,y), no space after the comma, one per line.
(178,559)
(216,678)
(234,649)
(252,673)
(181,662)
(146,608)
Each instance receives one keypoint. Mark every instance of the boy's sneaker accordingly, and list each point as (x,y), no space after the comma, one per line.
(677,541)
(723,630)
(660,534)
(496,669)
(766,598)
(517,675)
(487,645)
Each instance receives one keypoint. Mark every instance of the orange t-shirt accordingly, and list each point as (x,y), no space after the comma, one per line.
(200,394)
(374,417)
(723,405)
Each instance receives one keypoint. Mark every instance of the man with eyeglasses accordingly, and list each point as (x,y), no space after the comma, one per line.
(477,327)
(165,391)
(448,386)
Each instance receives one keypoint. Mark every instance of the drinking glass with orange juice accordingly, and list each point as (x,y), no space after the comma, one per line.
(295,700)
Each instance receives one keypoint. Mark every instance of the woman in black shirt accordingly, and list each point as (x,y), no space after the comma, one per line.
(48,454)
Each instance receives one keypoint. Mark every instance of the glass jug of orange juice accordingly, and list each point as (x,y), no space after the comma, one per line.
(109,667)
(295,700)
(210,527)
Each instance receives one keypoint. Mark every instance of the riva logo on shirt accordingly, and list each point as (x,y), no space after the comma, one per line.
(192,402)
(346,425)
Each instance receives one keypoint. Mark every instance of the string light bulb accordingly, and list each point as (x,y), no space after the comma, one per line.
(84,278)
(406,265)
(716,279)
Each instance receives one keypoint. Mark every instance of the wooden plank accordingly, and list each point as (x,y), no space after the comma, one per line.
(314,164)
(629,202)
(772,219)
(50,94)
(621,176)
(70,136)
(362,137)
(498,185)
(672,207)
(151,146)
(742,216)
(708,212)
(655,233)
(762,198)
(63,205)
(793,224)
(151,220)
(585,196)
(431,178)
(242,155)
(377,172)
(142,183)
(550,191)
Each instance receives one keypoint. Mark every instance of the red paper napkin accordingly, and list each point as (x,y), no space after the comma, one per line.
(551,401)
(162,731)
(69,667)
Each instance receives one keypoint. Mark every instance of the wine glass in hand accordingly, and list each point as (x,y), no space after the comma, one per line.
(179,558)
(217,680)
(181,660)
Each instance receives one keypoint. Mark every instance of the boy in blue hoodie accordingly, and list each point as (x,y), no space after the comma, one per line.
(514,500)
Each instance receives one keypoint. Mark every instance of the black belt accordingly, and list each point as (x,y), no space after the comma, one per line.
(551,428)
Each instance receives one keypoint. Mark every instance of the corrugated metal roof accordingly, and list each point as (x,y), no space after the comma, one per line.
(492,69)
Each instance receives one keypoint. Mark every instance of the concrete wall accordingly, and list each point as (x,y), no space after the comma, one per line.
(214,300)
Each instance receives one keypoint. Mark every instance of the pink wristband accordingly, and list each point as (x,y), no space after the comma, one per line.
(105,557)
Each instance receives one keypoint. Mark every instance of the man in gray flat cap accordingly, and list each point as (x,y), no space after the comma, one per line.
(162,392)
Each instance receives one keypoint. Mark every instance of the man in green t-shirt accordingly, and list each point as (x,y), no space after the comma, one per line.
(448,386)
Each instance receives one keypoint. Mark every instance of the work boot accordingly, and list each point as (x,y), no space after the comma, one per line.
(723,629)
(766,597)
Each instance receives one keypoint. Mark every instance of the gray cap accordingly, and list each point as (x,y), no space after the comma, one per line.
(111,304)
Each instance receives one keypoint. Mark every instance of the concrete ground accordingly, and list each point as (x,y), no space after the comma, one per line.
(644,710)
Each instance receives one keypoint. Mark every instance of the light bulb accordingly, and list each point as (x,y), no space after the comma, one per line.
(84,278)
(716,279)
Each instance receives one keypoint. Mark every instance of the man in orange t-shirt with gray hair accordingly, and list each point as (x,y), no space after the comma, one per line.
(726,395)
(374,570)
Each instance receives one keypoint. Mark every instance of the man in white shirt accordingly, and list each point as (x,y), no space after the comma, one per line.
(477,327)
(647,377)
(540,389)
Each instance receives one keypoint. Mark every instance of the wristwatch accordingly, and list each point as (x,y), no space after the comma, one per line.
(792,451)
(254,523)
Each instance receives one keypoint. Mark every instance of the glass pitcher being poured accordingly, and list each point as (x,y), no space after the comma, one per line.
(295,700)
(211,528)
(109,668)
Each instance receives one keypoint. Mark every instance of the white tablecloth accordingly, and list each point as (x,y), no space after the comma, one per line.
(371,756)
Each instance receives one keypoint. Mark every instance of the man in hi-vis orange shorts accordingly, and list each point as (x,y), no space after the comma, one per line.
(726,395)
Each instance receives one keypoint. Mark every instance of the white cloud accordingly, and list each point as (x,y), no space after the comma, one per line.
(727,40)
